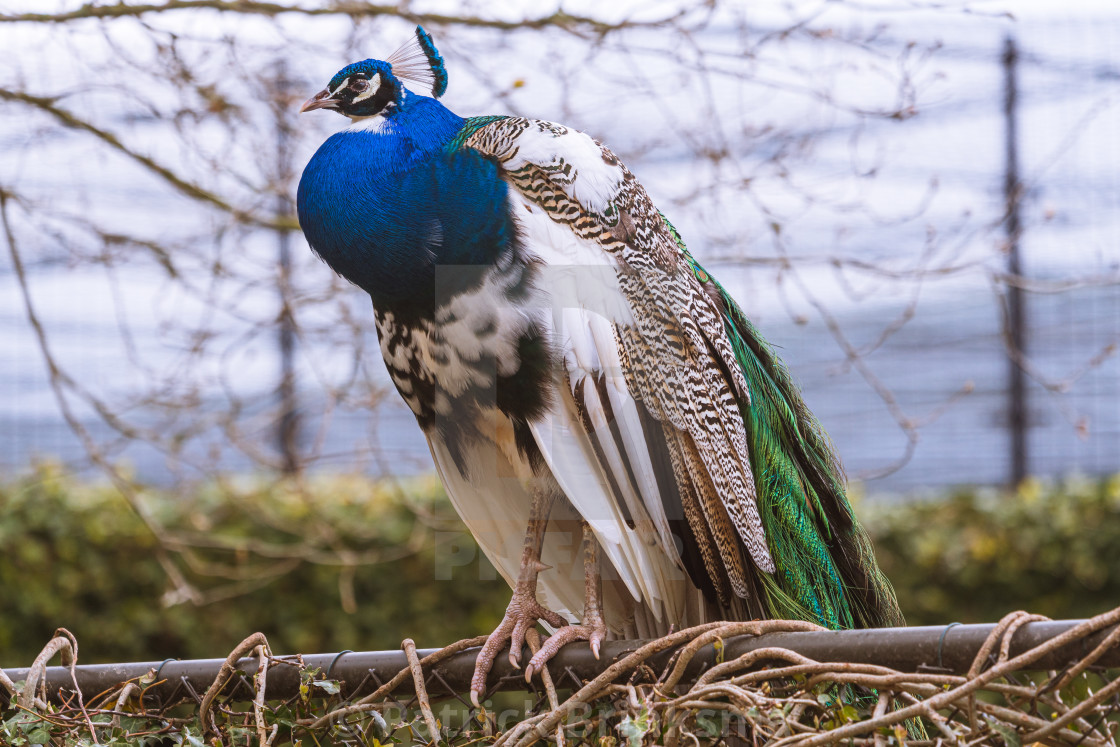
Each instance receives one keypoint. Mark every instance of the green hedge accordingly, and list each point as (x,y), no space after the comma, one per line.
(975,555)
(78,556)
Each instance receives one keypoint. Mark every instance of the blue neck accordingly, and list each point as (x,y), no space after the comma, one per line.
(384,206)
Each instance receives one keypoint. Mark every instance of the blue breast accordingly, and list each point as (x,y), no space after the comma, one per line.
(385,209)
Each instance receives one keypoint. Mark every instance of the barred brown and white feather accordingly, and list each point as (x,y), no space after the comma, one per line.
(688,375)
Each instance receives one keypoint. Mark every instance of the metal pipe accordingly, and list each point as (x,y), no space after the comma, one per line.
(939,648)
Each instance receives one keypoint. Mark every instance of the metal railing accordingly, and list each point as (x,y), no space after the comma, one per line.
(948,649)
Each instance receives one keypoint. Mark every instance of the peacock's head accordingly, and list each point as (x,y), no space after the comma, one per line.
(372,87)
(363,89)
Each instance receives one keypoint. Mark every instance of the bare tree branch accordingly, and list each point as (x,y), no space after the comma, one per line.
(358,9)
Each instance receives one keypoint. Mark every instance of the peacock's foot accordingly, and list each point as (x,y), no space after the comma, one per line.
(592,630)
(524,612)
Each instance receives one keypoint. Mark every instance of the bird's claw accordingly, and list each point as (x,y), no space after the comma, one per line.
(593,630)
(523,613)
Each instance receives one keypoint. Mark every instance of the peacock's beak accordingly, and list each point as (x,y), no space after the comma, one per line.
(321,100)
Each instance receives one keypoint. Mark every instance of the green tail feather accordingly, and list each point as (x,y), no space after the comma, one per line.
(826,569)
(796,525)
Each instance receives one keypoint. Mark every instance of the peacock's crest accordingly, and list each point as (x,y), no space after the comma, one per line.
(418,61)
(375,87)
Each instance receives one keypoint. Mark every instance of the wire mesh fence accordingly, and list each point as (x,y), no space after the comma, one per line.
(1020,681)
(841,170)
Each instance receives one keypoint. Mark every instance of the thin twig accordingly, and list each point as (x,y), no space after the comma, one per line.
(373,698)
(534,639)
(260,683)
(421,690)
(229,666)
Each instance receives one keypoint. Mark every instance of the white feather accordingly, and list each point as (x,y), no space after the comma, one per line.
(580,282)
(495,509)
(591,181)
(375,123)
(631,428)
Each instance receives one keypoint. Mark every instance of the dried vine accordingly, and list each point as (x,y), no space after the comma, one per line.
(771,696)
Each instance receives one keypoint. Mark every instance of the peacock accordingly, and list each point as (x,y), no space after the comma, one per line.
(627,450)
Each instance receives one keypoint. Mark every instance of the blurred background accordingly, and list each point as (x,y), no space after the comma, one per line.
(916,202)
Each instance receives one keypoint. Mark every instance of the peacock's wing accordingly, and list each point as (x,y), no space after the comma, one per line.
(677,433)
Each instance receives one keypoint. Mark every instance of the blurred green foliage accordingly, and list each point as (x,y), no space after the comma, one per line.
(342,563)
(78,556)
(975,555)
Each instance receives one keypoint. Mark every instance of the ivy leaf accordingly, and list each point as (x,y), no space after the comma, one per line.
(634,730)
(1010,737)
(1079,688)
(709,725)
(39,736)
(332,687)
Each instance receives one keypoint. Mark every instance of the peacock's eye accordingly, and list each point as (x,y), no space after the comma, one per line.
(359,85)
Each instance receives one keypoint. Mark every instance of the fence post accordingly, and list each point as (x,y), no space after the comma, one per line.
(287,432)
(1015,333)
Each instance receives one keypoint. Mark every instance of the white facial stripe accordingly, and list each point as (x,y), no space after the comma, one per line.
(374,84)
(339,87)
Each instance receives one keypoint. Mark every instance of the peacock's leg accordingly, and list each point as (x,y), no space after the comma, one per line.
(524,610)
(592,629)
